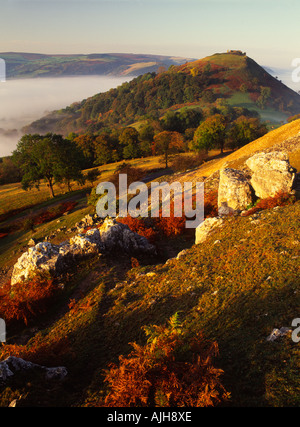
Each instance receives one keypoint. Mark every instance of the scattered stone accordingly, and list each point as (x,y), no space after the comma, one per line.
(277,333)
(181,253)
(32,242)
(13,404)
(12,365)
(89,220)
(151,274)
(43,257)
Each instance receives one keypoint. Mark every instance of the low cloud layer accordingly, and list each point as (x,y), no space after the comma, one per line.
(25,100)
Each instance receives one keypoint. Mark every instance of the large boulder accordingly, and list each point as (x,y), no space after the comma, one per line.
(235,192)
(54,259)
(43,257)
(272,173)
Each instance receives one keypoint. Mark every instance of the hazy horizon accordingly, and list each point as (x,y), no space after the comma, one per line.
(186,28)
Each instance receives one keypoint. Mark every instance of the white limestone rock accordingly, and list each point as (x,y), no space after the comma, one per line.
(235,192)
(54,259)
(272,173)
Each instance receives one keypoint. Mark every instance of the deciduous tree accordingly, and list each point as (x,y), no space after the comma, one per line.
(51,158)
(210,134)
(168,142)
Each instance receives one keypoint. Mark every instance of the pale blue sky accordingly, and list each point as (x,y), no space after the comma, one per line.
(268,30)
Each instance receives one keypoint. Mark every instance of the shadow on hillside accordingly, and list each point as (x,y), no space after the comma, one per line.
(240,330)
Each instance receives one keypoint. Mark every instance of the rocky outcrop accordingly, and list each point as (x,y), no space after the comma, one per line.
(54,259)
(43,257)
(13,365)
(235,192)
(205,228)
(271,173)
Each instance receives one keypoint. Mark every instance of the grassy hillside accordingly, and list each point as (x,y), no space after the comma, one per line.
(235,292)
(234,79)
(234,288)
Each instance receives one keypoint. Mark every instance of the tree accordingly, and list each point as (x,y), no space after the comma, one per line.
(146,137)
(265,93)
(51,158)
(207,69)
(167,142)
(69,166)
(179,121)
(85,143)
(243,88)
(210,134)
(8,171)
(244,130)
(129,139)
(195,71)
(103,150)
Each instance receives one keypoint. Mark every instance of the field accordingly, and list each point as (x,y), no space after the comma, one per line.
(13,197)
(268,114)
(236,303)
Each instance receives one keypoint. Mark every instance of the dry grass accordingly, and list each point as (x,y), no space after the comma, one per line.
(13,197)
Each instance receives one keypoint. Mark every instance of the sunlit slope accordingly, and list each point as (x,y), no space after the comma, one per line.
(287,135)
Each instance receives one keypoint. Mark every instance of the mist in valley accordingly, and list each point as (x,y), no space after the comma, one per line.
(24,100)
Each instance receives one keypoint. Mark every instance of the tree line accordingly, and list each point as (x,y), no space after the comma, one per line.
(187,129)
(57,159)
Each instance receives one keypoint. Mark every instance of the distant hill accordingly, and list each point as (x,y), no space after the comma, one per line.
(231,79)
(30,65)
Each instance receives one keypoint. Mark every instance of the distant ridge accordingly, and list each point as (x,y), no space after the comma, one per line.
(30,65)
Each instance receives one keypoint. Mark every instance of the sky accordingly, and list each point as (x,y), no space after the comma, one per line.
(268,30)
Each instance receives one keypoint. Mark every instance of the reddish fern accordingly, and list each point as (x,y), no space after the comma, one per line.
(26,299)
(170,370)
